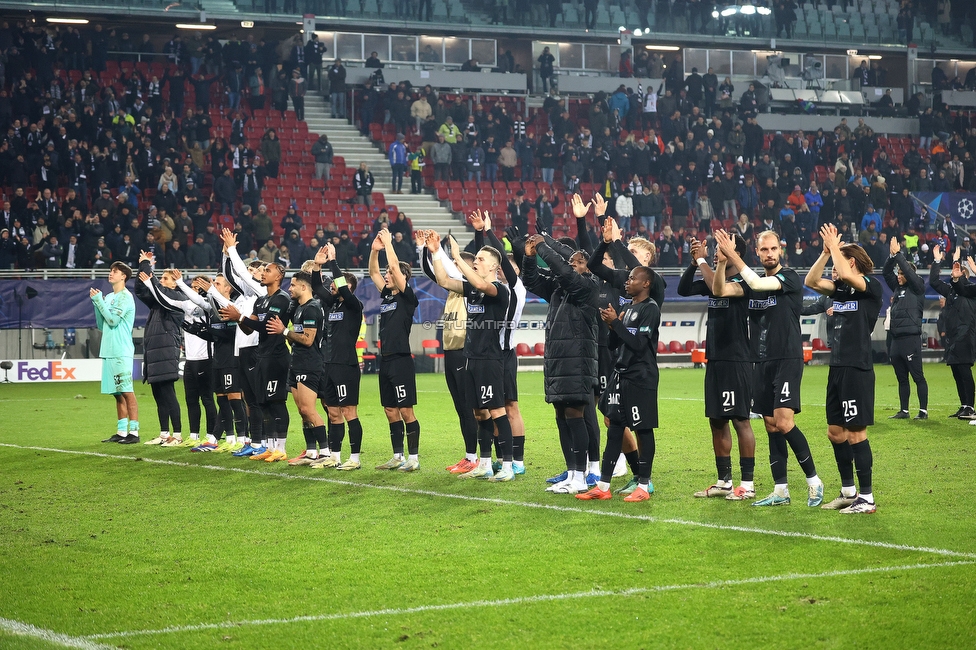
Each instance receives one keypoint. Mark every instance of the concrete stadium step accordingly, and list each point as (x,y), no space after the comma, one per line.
(423,210)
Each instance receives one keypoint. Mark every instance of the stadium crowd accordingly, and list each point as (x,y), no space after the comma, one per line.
(102,157)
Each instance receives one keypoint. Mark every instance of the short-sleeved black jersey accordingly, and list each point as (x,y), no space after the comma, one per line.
(486,319)
(642,319)
(308,358)
(855,314)
(266,307)
(223,333)
(774,318)
(396,320)
(727,327)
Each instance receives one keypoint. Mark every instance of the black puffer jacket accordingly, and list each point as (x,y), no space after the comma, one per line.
(960,317)
(571,326)
(164,333)
(906,310)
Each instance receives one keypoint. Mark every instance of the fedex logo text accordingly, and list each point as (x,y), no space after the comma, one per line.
(52,371)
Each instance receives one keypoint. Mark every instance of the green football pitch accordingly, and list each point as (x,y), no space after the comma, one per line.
(144,547)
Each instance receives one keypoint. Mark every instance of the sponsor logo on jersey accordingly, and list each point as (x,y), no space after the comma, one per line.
(335,315)
(763,304)
(718,303)
(850,305)
(262,317)
(625,301)
(387,307)
(476,309)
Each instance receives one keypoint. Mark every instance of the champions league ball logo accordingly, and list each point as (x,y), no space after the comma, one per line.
(966,209)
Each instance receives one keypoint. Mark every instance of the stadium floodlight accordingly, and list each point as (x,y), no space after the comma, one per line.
(202,26)
(621,29)
(747,10)
(763,11)
(714,14)
(730,11)
(638,32)
(68,21)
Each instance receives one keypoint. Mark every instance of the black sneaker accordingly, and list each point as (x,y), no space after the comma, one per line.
(115,438)
(129,440)
(900,415)
(967,413)
(959,412)
(922,415)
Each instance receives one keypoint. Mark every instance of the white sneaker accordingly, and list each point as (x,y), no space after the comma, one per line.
(158,440)
(173,442)
(556,487)
(621,469)
(859,507)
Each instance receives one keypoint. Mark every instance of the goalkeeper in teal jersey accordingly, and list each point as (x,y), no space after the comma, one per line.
(114,316)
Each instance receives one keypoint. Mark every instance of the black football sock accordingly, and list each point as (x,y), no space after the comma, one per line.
(396,437)
(355,436)
(633,461)
(747,465)
(577,431)
(646,443)
(504,438)
(225,421)
(801,449)
(256,424)
(844,455)
(778,455)
(308,431)
(413,437)
(486,437)
(592,431)
(336,433)
(863,460)
(280,418)
(320,435)
(923,392)
(240,418)
(724,466)
(518,448)
(566,443)
(496,443)
(615,440)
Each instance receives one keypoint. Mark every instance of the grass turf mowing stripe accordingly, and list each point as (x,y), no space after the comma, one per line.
(542,598)
(522,504)
(31,631)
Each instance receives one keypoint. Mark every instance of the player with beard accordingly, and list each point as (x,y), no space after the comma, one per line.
(775,301)
(728,373)
(631,398)
(305,374)
(398,379)
(270,379)
(850,385)
(339,390)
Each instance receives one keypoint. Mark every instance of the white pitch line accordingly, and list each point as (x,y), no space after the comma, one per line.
(32,631)
(523,600)
(521,504)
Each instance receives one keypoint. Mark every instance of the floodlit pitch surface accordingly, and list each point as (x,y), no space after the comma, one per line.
(140,547)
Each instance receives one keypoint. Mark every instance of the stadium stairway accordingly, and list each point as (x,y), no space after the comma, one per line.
(220,7)
(423,210)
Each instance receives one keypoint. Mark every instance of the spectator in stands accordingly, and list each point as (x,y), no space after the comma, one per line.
(251,188)
(363,184)
(518,210)
(625,209)
(546,61)
(871,217)
(323,153)
(337,89)
(545,212)
(200,255)
(667,248)
(475,160)
(507,161)
(397,155)
(748,197)
(297,89)
(292,220)
(51,252)
(420,110)
(441,156)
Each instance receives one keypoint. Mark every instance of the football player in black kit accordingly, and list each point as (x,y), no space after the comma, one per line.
(850,384)
(270,379)
(339,389)
(398,380)
(906,330)
(305,375)
(960,329)
(775,301)
(631,396)
(487,306)
(728,374)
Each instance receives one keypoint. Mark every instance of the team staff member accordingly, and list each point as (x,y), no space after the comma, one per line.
(905,351)
(487,306)
(960,324)
(162,341)
(398,380)
(850,383)
(305,374)
(270,379)
(114,316)
(775,302)
(631,399)
(516,303)
(729,374)
(339,390)
(455,320)
(570,367)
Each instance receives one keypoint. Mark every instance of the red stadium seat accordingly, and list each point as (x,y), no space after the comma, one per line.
(819,345)
(661,348)
(523,350)
(691,345)
(676,347)
(540,349)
